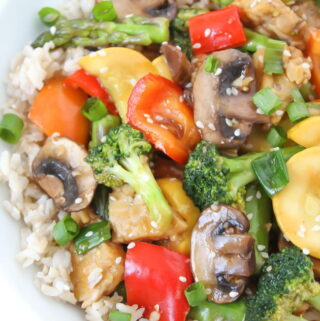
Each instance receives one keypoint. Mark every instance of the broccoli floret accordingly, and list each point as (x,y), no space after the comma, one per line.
(210,177)
(123,158)
(286,282)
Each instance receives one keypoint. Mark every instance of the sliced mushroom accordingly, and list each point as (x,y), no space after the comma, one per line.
(151,8)
(60,170)
(223,106)
(179,65)
(222,253)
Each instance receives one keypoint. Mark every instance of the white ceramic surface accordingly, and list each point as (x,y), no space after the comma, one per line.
(19,298)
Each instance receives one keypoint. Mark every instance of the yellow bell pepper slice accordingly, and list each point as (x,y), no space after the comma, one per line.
(184,207)
(307,132)
(118,69)
(297,206)
(162,67)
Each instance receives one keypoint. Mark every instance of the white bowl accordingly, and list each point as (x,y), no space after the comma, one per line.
(19,298)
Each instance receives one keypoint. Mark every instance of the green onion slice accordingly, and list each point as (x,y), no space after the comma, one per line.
(273,57)
(119,316)
(11,127)
(308,92)
(297,96)
(91,236)
(271,171)
(211,64)
(267,101)
(195,294)
(297,111)
(94,109)
(104,11)
(65,230)
(277,136)
(49,16)
(100,201)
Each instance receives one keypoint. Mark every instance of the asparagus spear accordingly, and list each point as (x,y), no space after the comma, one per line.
(89,33)
(258,210)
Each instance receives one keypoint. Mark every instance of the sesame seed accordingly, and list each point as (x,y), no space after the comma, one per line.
(164,43)
(146,115)
(189,85)
(101,53)
(88,234)
(78,200)
(112,198)
(305,65)
(149,120)
(53,30)
(131,245)
(259,111)
(250,216)
(118,260)
(208,291)
(103,139)
(212,126)
(265,255)
(129,15)
(301,231)
(261,247)
(237,132)
(233,294)
(258,195)
(133,82)
(163,126)
(228,122)
(316,228)
(181,99)
(154,224)
(249,198)
(103,70)
(269,268)
(234,91)
(279,112)
(196,45)
(218,72)
(183,279)
(306,251)
(229,91)
(93,54)
(199,124)
(178,47)
(287,53)
(207,32)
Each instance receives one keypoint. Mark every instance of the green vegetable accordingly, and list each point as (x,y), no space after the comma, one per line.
(104,11)
(65,230)
(286,282)
(271,171)
(119,316)
(91,236)
(100,201)
(210,177)
(277,136)
(267,101)
(297,96)
(273,57)
(211,64)
(89,33)
(94,109)
(297,111)
(307,91)
(209,311)
(258,210)
(121,290)
(11,127)
(195,294)
(49,16)
(179,29)
(119,161)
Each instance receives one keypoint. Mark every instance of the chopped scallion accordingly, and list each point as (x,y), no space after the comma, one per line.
(297,96)
(49,16)
(297,111)
(65,230)
(273,57)
(92,236)
(267,101)
(100,201)
(211,64)
(195,294)
(11,127)
(119,316)
(104,11)
(307,92)
(313,104)
(277,137)
(94,109)
(271,171)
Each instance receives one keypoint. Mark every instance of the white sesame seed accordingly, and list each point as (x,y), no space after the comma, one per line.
(196,45)
(133,82)
(316,228)
(103,70)
(129,15)
(258,195)
(234,91)
(218,72)
(214,206)
(269,268)
(279,112)
(259,111)
(88,234)
(301,231)
(261,247)
(93,54)
(229,91)
(53,30)
(207,32)
(237,132)
(306,251)
(149,120)
(249,198)
(146,115)
(233,294)
(212,126)
(250,216)
(103,139)
(188,85)
(131,245)
(287,53)
(199,124)
(228,122)
(118,260)
(178,47)
(208,291)
(265,255)
(164,43)
(154,224)
(305,65)
(112,198)
(101,53)
(78,200)
(183,279)
(181,99)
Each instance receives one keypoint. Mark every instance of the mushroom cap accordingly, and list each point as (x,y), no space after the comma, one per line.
(61,171)
(222,253)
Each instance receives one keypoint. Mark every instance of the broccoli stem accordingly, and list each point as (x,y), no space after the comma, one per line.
(210,311)
(260,209)
(138,171)
(90,33)
(315,302)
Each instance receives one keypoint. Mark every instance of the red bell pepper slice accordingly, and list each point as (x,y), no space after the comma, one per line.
(91,86)
(155,275)
(216,30)
(157,109)
(313,51)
